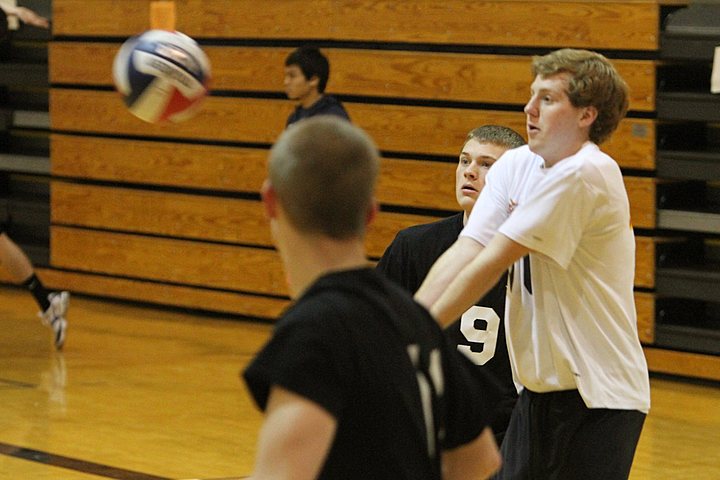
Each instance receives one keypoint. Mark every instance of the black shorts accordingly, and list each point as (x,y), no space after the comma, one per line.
(554,436)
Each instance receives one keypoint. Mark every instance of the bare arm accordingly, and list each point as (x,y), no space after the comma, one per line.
(294,439)
(26,16)
(475,278)
(445,270)
(477,459)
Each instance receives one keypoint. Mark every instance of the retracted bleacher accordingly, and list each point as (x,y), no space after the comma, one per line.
(688,165)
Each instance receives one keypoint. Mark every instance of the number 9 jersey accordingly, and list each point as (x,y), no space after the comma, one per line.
(480,332)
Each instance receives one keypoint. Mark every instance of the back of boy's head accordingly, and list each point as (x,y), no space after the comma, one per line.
(312,63)
(323,170)
(592,81)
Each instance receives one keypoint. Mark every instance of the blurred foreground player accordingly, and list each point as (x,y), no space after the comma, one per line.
(357,381)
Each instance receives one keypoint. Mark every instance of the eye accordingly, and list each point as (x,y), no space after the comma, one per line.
(465,161)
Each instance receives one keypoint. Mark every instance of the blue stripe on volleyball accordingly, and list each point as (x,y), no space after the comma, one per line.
(139,81)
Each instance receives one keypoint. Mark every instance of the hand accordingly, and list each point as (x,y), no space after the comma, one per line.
(29,17)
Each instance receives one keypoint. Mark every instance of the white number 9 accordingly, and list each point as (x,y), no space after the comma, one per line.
(487,337)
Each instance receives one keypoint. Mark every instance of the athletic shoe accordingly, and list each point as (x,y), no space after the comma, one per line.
(54,316)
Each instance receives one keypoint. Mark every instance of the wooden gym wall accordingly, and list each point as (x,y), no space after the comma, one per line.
(171,214)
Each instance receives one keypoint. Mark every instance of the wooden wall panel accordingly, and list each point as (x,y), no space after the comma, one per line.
(482,78)
(601,25)
(641,192)
(683,363)
(158,163)
(415,183)
(184,262)
(397,128)
(644,262)
(188,216)
(178,215)
(220,119)
(645,306)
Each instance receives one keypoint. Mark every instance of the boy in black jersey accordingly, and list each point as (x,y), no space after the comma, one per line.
(357,380)
(480,332)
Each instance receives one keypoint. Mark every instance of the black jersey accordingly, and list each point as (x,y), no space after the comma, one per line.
(360,346)
(327,105)
(480,333)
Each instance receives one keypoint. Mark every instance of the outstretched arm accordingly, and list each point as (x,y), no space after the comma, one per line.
(26,16)
(466,275)
(450,264)
(294,439)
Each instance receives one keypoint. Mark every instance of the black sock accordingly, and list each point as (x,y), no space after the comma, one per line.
(38,290)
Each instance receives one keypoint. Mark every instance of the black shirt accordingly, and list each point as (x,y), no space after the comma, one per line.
(408,260)
(347,345)
(327,105)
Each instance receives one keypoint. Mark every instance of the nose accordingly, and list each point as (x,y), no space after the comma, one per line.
(471,172)
(531,107)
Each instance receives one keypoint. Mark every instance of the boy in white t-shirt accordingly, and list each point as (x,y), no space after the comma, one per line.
(556,213)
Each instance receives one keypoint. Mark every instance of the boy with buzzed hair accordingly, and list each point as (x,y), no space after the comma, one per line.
(357,381)
(557,214)
(307,72)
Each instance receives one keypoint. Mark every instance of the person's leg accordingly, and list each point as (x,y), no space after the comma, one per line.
(515,446)
(14,260)
(53,305)
(571,441)
(604,446)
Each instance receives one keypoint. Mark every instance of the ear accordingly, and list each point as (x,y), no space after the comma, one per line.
(372,212)
(588,116)
(314,81)
(269,199)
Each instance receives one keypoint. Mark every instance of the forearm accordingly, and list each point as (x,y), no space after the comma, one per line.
(446,269)
(475,278)
(463,291)
(294,439)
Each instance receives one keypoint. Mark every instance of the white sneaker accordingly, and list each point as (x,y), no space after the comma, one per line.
(54,316)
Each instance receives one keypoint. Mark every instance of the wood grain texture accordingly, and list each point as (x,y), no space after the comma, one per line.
(184,262)
(601,25)
(158,163)
(395,128)
(493,79)
(645,306)
(189,217)
(645,262)
(139,387)
(683,363)
(641,192)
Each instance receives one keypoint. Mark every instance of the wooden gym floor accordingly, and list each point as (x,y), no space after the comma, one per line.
(144,393)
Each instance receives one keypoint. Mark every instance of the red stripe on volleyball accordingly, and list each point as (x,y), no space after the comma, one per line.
(178,103)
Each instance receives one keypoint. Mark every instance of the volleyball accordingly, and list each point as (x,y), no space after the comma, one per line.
(163,76)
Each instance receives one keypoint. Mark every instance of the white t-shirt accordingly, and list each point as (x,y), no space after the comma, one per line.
(574,325)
